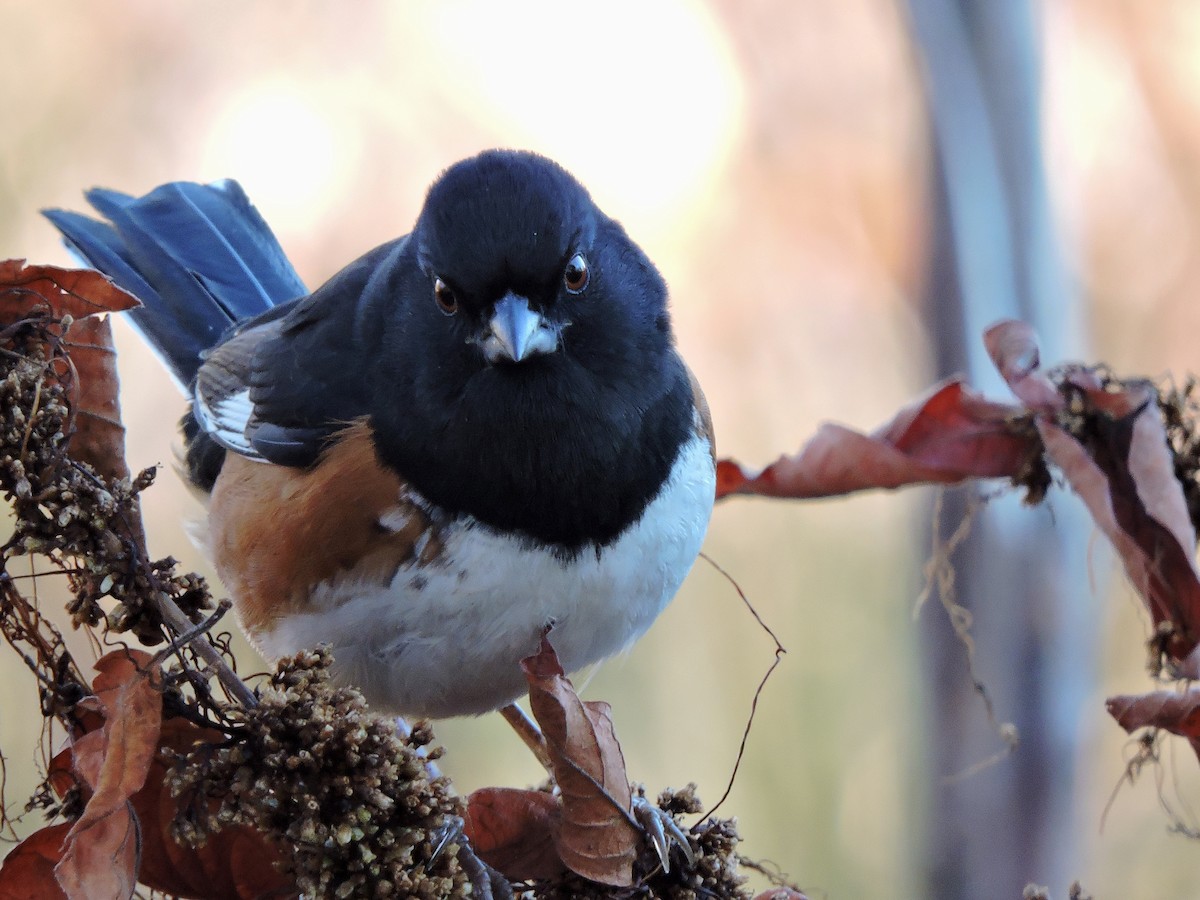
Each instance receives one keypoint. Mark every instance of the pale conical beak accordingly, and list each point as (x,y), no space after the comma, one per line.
(515,332)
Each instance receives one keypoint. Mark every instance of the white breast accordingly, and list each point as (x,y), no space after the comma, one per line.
(446,638)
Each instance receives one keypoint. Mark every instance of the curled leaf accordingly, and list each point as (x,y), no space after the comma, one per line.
(597,837)
(101,863)
(101,856)
(61,292)
(1126,478)
(1178,713)
(1013,348)
(130,695)
(514,832)
(948,435)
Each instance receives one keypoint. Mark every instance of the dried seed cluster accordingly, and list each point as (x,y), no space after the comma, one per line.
(354,801)
(76,518)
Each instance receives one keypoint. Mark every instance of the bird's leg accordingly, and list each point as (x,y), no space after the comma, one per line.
(486,882)
(528,731)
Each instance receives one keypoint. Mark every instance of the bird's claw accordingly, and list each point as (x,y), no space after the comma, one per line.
(662,832)
(486,882)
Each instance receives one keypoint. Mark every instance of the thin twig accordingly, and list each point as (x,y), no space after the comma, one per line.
(779,651)
(176,619)
(182,640)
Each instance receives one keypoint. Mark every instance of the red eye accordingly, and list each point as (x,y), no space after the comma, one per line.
(575,277)
(445,298)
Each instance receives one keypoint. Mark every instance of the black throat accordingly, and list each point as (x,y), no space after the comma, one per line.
(550,455)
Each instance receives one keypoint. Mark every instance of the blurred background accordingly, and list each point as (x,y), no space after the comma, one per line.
(840,195)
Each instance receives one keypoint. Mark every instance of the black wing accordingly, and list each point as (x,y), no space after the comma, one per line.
(282,385)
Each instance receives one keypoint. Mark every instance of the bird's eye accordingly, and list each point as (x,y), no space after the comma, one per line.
(445,298)
(576,275)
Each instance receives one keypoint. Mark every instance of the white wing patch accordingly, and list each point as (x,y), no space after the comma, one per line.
(226,420)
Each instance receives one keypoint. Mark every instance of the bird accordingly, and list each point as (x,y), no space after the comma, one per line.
(474,434)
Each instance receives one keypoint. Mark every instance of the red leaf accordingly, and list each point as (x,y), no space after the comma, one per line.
(62,292)
(1012,345)
(101,855)
(961,433)
(128,690)
(1171,711)
(1177,713)
(514,831)
(1128,484)
(1123,471)
(597,838)
(99,437)
(61,775)
(121,756)
(101,863)
(28,871)
(949,435)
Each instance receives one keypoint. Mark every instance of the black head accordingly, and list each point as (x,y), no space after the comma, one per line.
(504,221)
(535,346)
(514,251)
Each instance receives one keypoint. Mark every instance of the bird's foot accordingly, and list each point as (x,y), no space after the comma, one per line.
(486,882)
(662,832)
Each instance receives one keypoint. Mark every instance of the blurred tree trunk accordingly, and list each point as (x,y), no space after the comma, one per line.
(1022,572)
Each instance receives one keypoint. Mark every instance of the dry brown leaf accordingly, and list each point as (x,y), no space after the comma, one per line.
(101,863)
(1120,465)
(28,871)
(597,838)
(1127,482)
(1125,476)
(129,691)
(1013,348)
(513,831)
(237,862)
(99,436)
(1178,713)
(62,292)
(101,856)
(945,437)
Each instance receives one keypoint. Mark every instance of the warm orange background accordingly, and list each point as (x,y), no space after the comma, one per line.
(772,157)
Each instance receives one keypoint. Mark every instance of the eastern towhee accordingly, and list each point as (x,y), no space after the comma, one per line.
(471,433)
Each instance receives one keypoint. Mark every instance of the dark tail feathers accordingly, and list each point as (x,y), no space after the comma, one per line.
(198,256)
